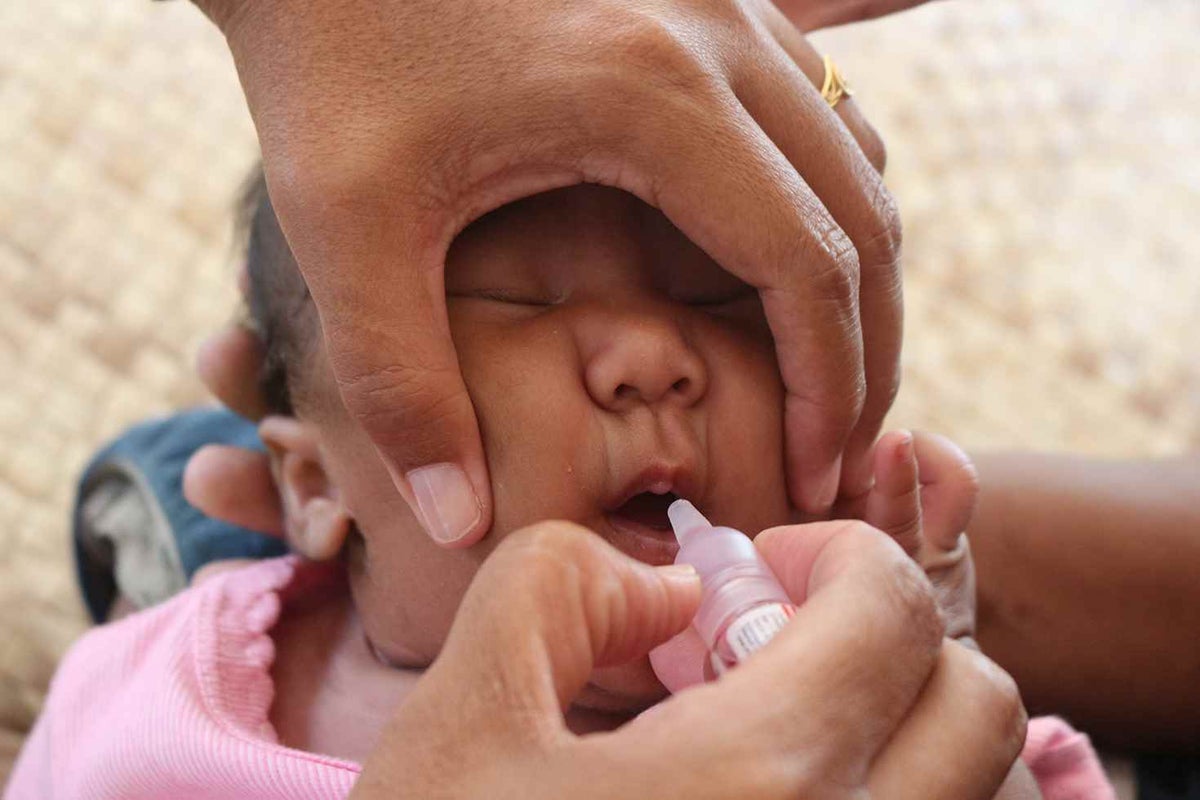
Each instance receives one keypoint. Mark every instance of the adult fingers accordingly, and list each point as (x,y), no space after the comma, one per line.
(961,737)
(552,602)
(867,618)
(229,362)
(778,92)
(774,232)
(234,485)
(956,739)
(808,60)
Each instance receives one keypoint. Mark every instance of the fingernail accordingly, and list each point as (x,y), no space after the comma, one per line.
(678,573)
(905,451)
(446,501)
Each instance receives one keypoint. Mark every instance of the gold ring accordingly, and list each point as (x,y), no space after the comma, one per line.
(835,87)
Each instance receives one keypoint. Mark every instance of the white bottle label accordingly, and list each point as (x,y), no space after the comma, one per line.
(751,631)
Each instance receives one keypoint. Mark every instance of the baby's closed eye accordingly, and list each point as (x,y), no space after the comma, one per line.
(522,296)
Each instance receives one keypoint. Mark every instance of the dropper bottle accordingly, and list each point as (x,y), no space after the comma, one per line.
(742,605)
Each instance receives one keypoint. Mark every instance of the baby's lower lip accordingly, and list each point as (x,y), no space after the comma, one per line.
(638,540)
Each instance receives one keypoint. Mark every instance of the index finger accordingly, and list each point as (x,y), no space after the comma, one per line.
(774,232)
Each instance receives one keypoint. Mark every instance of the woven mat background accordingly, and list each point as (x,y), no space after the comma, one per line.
(1045,156)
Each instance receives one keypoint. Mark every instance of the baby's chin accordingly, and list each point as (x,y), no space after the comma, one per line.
(624,691)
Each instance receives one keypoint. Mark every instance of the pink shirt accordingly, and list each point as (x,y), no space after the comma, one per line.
(173,704)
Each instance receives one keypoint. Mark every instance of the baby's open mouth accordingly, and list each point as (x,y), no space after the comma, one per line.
(647,509)
(635,515)
(640,528)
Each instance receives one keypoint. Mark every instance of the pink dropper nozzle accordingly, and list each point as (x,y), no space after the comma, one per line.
(685,519)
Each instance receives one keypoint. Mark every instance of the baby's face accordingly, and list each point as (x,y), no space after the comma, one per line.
(612,366)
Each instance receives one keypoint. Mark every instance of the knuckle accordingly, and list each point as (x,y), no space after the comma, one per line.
(564,566)
(881,249)
(409,405)
(838,276)
(859,529)
(892,222)
(660,49)
(909,592)
(543,559)
(297,172)
(839,400)
(658,44)
(882,389)
(544,546)
(856,399)
(999,699)
(761,769)
(888,389)
(776,778)
(553,553)
(918,600)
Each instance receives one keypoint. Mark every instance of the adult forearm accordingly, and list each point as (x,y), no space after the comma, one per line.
(1089,591)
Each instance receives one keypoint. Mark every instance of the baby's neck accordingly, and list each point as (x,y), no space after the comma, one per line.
(333,696)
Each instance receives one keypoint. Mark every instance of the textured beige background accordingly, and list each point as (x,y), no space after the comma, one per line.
(1045,156)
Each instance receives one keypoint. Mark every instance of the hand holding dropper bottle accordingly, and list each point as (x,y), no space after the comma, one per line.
(742,604)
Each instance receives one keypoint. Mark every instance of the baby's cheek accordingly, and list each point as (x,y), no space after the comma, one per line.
(537,423)
(406,588)
(745,430)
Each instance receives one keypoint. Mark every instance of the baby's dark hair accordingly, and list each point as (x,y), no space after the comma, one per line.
(281,309)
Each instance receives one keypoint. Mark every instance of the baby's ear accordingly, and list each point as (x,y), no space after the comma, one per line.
(315,520)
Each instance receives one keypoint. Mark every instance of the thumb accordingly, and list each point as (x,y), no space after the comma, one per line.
(550,604)
(377,281)
(398,374)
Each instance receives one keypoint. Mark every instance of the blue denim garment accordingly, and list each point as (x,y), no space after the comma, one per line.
(146,463)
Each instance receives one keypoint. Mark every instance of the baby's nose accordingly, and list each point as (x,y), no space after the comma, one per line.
(640,360)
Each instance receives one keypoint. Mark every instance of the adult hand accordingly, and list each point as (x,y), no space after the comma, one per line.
(388,125)
(857,697)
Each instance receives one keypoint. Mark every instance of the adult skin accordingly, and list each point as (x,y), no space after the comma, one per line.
(857,697)
(387,126)
(1086,569)
(1088,592)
